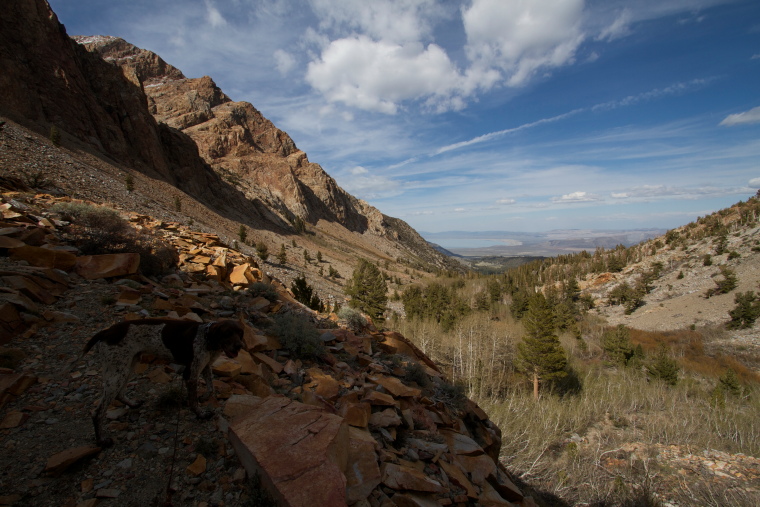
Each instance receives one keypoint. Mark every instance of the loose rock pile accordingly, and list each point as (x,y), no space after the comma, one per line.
(371,422)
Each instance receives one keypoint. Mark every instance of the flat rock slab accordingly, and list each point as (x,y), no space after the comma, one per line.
(300,451)
(58,463)
(92,267)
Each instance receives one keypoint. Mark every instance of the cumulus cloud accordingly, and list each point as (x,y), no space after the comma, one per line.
(522,36)
(747,117)
(576,197)
(378,75)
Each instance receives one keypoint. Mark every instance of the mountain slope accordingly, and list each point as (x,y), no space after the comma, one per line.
(147,117)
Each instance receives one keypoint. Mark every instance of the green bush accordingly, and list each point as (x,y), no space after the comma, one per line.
(297,336)
(354,318)
(746,311)
(264,290)
(664,368)
(100,230)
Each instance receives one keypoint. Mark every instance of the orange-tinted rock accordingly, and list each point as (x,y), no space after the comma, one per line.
(323,385)
(58,463)
(129,297)
(13,419)
(197,467)
(225,367)
(356,414)
(363,472)
(402,477)
(107,265)
(243,274)
(44,257)
(6,242)
(395,386)
(30,289)
(378,398)
(458,477)
(274,365)
(13,385)
(299,451)
(480,467)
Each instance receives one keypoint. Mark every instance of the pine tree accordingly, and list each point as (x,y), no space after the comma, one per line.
(262,251)
(319,256)
(367,290)
(616,343)
(282,255)
(664,368)
(242,233)
(540,354)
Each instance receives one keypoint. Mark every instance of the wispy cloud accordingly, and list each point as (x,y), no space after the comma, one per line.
(577,197)
(745,118)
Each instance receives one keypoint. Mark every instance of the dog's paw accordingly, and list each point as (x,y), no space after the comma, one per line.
(204,415)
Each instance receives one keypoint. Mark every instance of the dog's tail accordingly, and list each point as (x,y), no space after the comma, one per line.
(90,344)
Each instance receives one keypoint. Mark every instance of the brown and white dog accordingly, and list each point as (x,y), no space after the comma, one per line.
(191,344)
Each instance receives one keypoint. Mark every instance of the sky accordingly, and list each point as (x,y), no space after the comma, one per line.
(479,115)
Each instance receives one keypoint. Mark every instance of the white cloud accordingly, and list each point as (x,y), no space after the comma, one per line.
(576,197)
(460,210)
(378,76)
(754,182)
(522,36)
(369,186)
(747,117)
(285,61)
(213,15)
(619,28)
(505,201)
(397,21)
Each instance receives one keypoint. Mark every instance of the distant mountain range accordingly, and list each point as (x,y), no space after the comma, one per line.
(547,244)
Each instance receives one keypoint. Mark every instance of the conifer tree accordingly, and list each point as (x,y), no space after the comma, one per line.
(367,290)
(282,255)
(540,354)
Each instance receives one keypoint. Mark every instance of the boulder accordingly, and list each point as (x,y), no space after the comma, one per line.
(44,257)
(92,267)
(403,477)
(299,451)
(363,472)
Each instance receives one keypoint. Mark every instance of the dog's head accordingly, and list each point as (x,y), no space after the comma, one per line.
(227,336)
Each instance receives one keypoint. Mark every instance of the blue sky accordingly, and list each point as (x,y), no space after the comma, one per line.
(523,115)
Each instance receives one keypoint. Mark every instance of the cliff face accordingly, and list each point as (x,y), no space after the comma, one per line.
(48,79)
(237,141)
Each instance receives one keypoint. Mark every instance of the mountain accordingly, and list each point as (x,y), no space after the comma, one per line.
(141,117)
(550,243)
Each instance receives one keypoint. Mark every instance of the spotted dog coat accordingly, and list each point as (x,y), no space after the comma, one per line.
(191,344)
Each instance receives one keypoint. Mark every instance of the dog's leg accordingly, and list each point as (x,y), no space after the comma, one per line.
(121,396)
(192,398)
(115,376)
(209,379)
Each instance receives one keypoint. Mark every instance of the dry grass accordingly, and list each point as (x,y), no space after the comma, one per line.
(614,407)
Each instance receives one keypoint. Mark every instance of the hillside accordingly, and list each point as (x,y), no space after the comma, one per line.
(180,139)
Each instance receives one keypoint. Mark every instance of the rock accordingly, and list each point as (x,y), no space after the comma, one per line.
(225,367)
(107,493)
(300,451)
(403,477)
(197,467)
(377,398)
(159,376)
(324,386)
(13,385)
(461,444)
(458,477)
(58,463)
(413,500)
(92,267)
(13,419)
(263,358)
(363,472)
(356,414)
(44,257)
(240,404)
(395,386)
(387,417)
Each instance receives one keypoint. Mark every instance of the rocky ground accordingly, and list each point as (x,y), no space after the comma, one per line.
(678,298)
(369,422)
